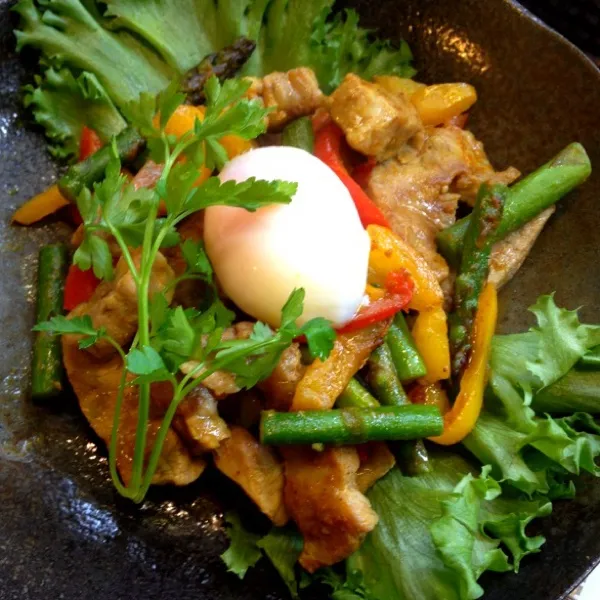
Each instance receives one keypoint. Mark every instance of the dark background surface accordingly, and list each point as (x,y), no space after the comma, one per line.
(64,532)
(578,20)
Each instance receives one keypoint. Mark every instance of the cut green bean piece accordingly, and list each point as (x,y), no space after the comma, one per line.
(350,425)
(405,356)
(47,365)
(356,396)
(383,378)
(526,199)
(299,134)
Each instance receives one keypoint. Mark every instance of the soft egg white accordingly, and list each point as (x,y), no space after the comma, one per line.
(316,242)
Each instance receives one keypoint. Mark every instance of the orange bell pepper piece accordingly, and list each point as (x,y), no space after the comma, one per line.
(40,206)
(430,333)
(183,119)
(460,420)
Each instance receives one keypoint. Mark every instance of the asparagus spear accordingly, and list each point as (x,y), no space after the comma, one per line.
(350,425)
(356,396)
(383,378)
(405,356)
(474,268)
(223,64)
(47,365)
(526,199)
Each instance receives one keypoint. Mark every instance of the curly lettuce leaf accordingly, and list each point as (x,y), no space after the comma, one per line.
(70,33)
(243,551)
(340,46)
(283,546)
(289,33)
(440,531)
(63,104)
(132,47)
(532,451)
(533,360)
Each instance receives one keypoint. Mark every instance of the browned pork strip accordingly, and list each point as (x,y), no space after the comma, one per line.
(96,383)
(375,461)
(280,386)
(293,94)
(322,497)
(375,122)
(256,469)
(418,195)
(509,254)
(114,303)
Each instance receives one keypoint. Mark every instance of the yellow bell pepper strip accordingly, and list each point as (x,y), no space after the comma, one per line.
(437,104)
(398,85)
(390,253)
(460,420)
(430,333)
(40,206)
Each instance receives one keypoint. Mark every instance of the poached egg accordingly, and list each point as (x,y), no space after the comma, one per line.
(315,242)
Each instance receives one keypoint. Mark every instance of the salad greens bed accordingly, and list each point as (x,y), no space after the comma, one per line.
(438,532)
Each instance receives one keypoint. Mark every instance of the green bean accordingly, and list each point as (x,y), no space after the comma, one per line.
(383,378)
(350,425)
(405,356)
(356,396)
(130,142)
(47,366)
(526,199)
(299,134)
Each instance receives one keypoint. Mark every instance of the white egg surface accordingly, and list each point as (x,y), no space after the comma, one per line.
(316,242)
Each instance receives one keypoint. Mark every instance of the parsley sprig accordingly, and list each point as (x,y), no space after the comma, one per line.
(169,336)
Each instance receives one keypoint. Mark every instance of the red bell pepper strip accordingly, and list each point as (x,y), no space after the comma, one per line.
(79,287)
(362,172)
(399,288)
(88,143)
(328,145)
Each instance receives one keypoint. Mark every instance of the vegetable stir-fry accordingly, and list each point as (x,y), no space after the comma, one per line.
(265,210)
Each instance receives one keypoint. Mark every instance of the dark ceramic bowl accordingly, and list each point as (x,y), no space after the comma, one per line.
(64,532)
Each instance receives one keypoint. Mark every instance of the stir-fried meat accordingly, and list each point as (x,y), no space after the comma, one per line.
(375,461)
(148,175)
(256,469)
(197,420)
(416,195)
(96,384)
(322,497)
(509,254)
(114,303)
(376,123)
(280,386)
(480,170)
(293,94)
(324,381)
(222,383)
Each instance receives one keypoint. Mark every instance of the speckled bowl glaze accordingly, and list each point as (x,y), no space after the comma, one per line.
(64,532)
